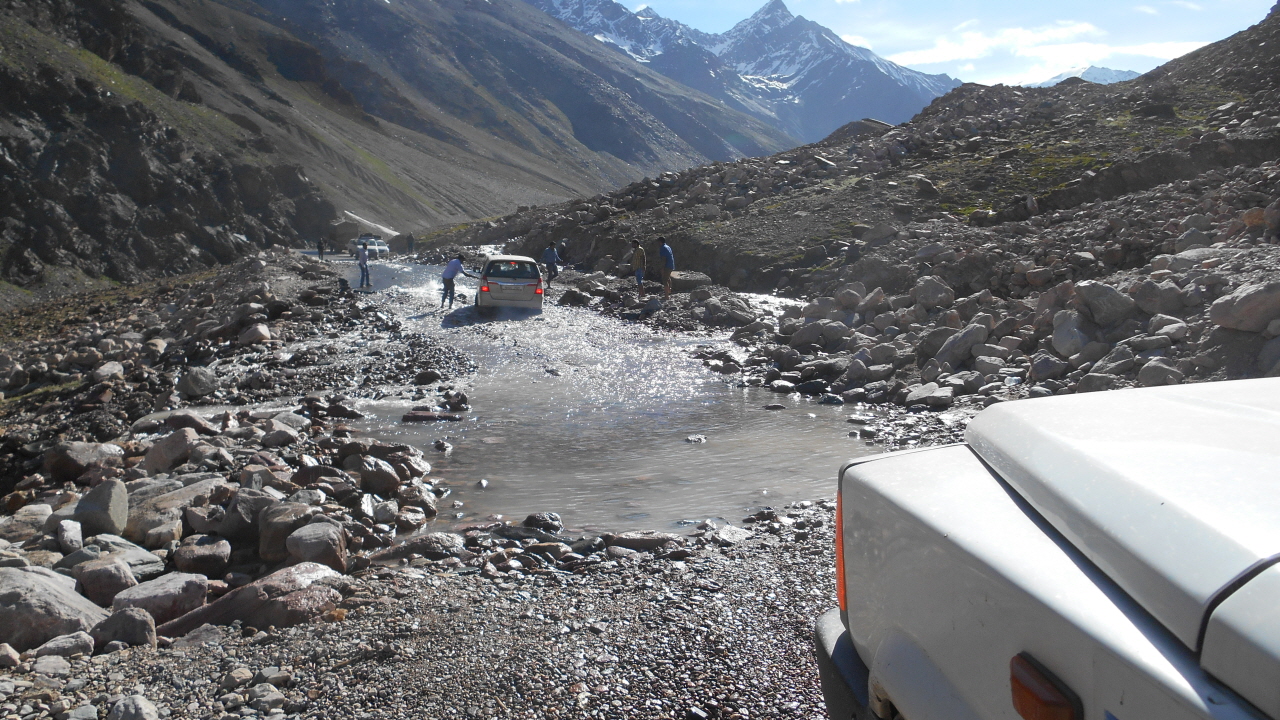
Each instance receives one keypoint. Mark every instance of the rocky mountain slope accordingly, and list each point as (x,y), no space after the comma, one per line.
(792,72)
(1135,221)
(1092,73)
(144,137)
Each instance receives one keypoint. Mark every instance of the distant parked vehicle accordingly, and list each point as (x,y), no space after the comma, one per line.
(510,281)
(377,248)
(1102,556)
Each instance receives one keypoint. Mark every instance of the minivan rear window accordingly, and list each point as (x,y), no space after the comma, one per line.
(512,270)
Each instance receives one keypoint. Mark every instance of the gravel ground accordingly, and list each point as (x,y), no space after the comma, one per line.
(722,632)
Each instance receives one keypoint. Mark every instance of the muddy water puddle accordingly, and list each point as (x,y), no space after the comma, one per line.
(591,417)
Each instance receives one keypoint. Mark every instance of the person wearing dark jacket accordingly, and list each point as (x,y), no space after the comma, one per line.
(552,260)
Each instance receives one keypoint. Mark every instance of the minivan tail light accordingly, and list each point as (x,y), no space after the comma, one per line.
(484,288)
(840,593)
(538,289)
(1038,694)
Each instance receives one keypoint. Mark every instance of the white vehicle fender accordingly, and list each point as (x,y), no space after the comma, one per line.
(902,672)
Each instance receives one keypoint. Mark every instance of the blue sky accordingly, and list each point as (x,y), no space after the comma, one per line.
(1010,42)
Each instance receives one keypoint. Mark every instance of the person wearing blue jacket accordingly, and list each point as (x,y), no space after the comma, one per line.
(552,260)
(668,263)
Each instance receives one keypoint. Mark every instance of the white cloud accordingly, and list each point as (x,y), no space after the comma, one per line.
(972,45)
(857,40)
(1146,9)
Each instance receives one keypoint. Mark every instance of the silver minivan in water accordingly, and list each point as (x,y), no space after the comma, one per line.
(510,281)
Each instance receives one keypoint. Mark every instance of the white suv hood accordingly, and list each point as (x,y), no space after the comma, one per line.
(1173,492)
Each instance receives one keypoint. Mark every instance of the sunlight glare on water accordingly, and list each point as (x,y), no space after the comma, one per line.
(588,416)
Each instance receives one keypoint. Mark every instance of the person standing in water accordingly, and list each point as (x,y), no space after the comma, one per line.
(638,261)
(320,249)
(551,259)
(668,264)
(447,277)
(362,259)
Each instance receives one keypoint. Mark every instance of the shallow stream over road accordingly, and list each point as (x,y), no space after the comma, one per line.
(589,416)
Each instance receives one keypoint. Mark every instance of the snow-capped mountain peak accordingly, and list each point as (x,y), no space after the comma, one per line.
(787,70)
(1092,73)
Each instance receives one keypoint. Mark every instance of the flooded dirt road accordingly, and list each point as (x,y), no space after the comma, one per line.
(590,417)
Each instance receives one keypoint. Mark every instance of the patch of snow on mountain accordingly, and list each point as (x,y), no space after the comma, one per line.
(1092,73)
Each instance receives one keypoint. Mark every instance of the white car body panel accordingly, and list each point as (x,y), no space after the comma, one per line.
(1170,491)
(1242,641)
(949,575)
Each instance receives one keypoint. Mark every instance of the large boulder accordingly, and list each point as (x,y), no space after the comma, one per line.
(686,280)
(1158,297)
(24,524)
(1105,304)
(133,707)
(1159,371)
(144,565)
(319,542)
(275,524)
(171,450)
(1069,333)
(283,598)
(101,580)
(167,597)
(642,540)
(435,546)
(932,291)
(104,509)
(76,643)
(1249,307)
(166,509)
(67,461)
(38,604)
(933,341)
(197,382)
(1117,362)
(131,626)
(203,554)
(376,476)
(240,522)
(959,347)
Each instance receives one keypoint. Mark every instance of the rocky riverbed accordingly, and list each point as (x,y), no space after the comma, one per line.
(179,498)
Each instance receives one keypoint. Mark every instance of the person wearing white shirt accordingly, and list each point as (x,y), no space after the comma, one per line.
(362,259)
(450,272)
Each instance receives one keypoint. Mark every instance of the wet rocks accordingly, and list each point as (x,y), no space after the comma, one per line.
(546,521)
(643,541)
(435,546)
(37,605)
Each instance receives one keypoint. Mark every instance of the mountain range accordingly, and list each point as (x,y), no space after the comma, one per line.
(1092,73)
(140,137)
(797,75)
